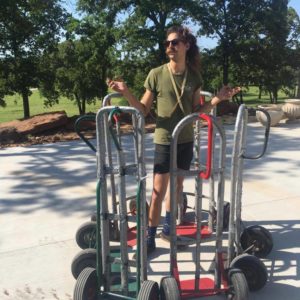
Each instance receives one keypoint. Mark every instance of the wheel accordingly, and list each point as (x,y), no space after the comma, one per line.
(85,258)
(114,232)
(184,203)
(132,207)
(86,235)
(86,285)
(149,291)
(226,215)
(258,237)
(169,289)
(254,270)
(182,208)
(238,287)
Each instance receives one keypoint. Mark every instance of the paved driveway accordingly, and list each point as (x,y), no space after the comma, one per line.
(47,191)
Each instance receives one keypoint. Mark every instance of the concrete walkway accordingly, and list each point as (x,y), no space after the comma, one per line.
(48,191)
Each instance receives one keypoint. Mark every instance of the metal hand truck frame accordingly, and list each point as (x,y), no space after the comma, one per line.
(230,281)
(86,234)
(186,228)
(255,240)
(99,282)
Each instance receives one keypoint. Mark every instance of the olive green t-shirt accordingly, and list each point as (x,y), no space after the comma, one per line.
(159,83)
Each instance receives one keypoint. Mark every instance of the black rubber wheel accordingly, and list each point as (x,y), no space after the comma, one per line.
(254,270)
(258,237)
(149,291)
(86,285)
(238,287)
(184,203)
(226,215)
(169,289)
(86,235)
(84,259)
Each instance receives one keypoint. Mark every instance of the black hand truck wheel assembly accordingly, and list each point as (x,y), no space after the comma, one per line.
(256,240)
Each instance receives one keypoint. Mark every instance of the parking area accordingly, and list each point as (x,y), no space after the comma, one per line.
(48,191)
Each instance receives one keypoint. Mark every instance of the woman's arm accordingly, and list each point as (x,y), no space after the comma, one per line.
(144,105)
(225,93)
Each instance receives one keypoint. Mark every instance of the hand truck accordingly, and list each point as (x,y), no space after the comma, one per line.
(187,228)
(254,240)
(86,233)
(230,282)
(111,279)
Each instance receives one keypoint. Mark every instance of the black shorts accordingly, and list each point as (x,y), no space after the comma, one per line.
(162,157)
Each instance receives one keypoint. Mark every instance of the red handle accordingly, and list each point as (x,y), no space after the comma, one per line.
(206,174)
(202,100)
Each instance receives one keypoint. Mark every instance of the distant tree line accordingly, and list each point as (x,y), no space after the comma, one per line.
(43,46)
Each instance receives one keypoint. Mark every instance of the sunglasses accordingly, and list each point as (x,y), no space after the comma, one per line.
(174,43)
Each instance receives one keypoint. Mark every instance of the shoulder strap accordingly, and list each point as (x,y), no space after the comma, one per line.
(176,90)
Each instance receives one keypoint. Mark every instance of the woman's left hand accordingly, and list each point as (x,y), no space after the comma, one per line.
(227,92)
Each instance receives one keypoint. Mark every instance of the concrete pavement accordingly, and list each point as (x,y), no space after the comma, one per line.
(48,191)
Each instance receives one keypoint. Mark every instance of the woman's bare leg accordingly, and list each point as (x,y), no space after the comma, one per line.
(160,184)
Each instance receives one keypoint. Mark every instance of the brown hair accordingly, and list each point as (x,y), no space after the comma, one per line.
(192,54)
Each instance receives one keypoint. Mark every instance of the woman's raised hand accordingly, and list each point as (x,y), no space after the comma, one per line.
(226,92)
(118,86)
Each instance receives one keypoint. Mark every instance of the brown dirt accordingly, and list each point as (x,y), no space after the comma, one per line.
(48,128)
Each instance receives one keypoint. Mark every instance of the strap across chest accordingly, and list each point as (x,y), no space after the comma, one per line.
(178,96)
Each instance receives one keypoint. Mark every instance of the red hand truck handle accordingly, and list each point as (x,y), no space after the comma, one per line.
(206,174)
(202,100)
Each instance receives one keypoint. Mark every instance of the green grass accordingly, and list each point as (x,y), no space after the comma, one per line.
(251,97)
(14,108)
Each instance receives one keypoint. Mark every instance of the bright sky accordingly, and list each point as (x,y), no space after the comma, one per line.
(203,41)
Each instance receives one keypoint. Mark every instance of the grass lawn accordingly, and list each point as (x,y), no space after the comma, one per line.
(251,97)
(14,108)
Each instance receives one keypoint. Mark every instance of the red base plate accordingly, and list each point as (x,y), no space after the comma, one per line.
(207,288)
(131,237)
(189,229)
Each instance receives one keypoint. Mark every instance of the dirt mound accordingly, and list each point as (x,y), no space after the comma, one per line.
(49,128)
(43,128)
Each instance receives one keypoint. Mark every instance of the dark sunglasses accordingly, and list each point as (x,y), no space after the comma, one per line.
(174,43)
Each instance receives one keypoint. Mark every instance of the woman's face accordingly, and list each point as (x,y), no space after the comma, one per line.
(175,47)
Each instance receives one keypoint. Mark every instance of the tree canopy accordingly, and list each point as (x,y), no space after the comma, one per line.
(43,46)
(28,30)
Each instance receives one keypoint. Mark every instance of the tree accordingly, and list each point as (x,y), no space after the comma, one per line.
(294,46)
(28,30)
(79,67)
(78,72)
(265,57)
(140,32)
(230,22)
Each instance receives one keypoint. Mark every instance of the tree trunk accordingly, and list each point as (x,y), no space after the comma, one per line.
(259,92)
(271,96)
(78,104)
(26,105)
(83,106)
(275,95)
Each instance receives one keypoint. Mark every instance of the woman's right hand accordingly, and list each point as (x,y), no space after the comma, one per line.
(117,86)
